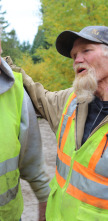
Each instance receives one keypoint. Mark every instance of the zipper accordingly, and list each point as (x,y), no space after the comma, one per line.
(105,145)
(96,128)
(76,143)
(95,119)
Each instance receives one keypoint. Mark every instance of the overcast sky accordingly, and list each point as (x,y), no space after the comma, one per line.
(23,16)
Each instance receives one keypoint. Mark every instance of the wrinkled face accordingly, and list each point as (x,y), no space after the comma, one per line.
(87,54)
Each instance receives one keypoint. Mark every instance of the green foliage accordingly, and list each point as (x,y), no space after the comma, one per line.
(9,40)
(3,23)
(66,15)
(39,41)
(72,14)
(10,45)
(25,47)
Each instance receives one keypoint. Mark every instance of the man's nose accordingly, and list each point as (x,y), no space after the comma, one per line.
(79,58)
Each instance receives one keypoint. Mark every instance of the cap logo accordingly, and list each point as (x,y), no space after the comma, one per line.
(95,32)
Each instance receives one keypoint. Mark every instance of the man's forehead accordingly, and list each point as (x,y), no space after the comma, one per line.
(80,41)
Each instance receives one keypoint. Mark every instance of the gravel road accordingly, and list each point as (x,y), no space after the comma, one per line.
(30,212)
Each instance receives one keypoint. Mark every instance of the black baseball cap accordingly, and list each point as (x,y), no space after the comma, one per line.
(65,40)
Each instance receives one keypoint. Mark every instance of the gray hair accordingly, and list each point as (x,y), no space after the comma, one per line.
(105,49)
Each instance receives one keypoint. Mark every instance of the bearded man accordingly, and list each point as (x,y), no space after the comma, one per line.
(79,117)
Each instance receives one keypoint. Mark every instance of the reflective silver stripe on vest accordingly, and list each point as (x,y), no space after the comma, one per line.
(88,186)
(62,168)
(102,165)
(9,165)
(72,107)
(9,195)
(69,113)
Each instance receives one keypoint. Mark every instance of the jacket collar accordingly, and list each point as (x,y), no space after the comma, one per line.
(6,77)
(82,112)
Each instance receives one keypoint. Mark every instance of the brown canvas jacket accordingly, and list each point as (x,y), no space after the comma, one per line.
(51,104)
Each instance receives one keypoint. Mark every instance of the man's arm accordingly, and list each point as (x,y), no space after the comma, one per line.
(31,163)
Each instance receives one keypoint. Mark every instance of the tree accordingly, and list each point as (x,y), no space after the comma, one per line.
(25,47)
(3,23)
(9,39)
(39,42)
(10,45)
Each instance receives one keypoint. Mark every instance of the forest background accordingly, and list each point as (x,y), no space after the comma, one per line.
(41,60)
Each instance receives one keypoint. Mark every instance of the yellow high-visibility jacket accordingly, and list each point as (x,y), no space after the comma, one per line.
(11,201)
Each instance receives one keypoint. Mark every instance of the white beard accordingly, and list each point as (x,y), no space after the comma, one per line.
(85,85)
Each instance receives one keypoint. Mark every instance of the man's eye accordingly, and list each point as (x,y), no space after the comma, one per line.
(86,50)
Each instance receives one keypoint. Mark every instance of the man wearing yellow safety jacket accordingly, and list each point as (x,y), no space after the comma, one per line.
(20,147)
(79,117)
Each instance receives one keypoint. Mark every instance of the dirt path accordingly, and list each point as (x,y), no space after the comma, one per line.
(49,148)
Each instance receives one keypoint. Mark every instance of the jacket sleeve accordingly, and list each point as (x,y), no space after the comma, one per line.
(31,163)
(49,104)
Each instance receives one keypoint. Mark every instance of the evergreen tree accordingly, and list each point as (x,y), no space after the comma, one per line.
(39,42)
(3,23)
(10,45)
(25,47)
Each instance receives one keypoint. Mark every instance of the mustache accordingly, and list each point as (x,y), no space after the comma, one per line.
(78,66)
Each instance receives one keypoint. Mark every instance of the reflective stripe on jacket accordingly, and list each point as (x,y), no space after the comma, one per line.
(11,202)
(80,186)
